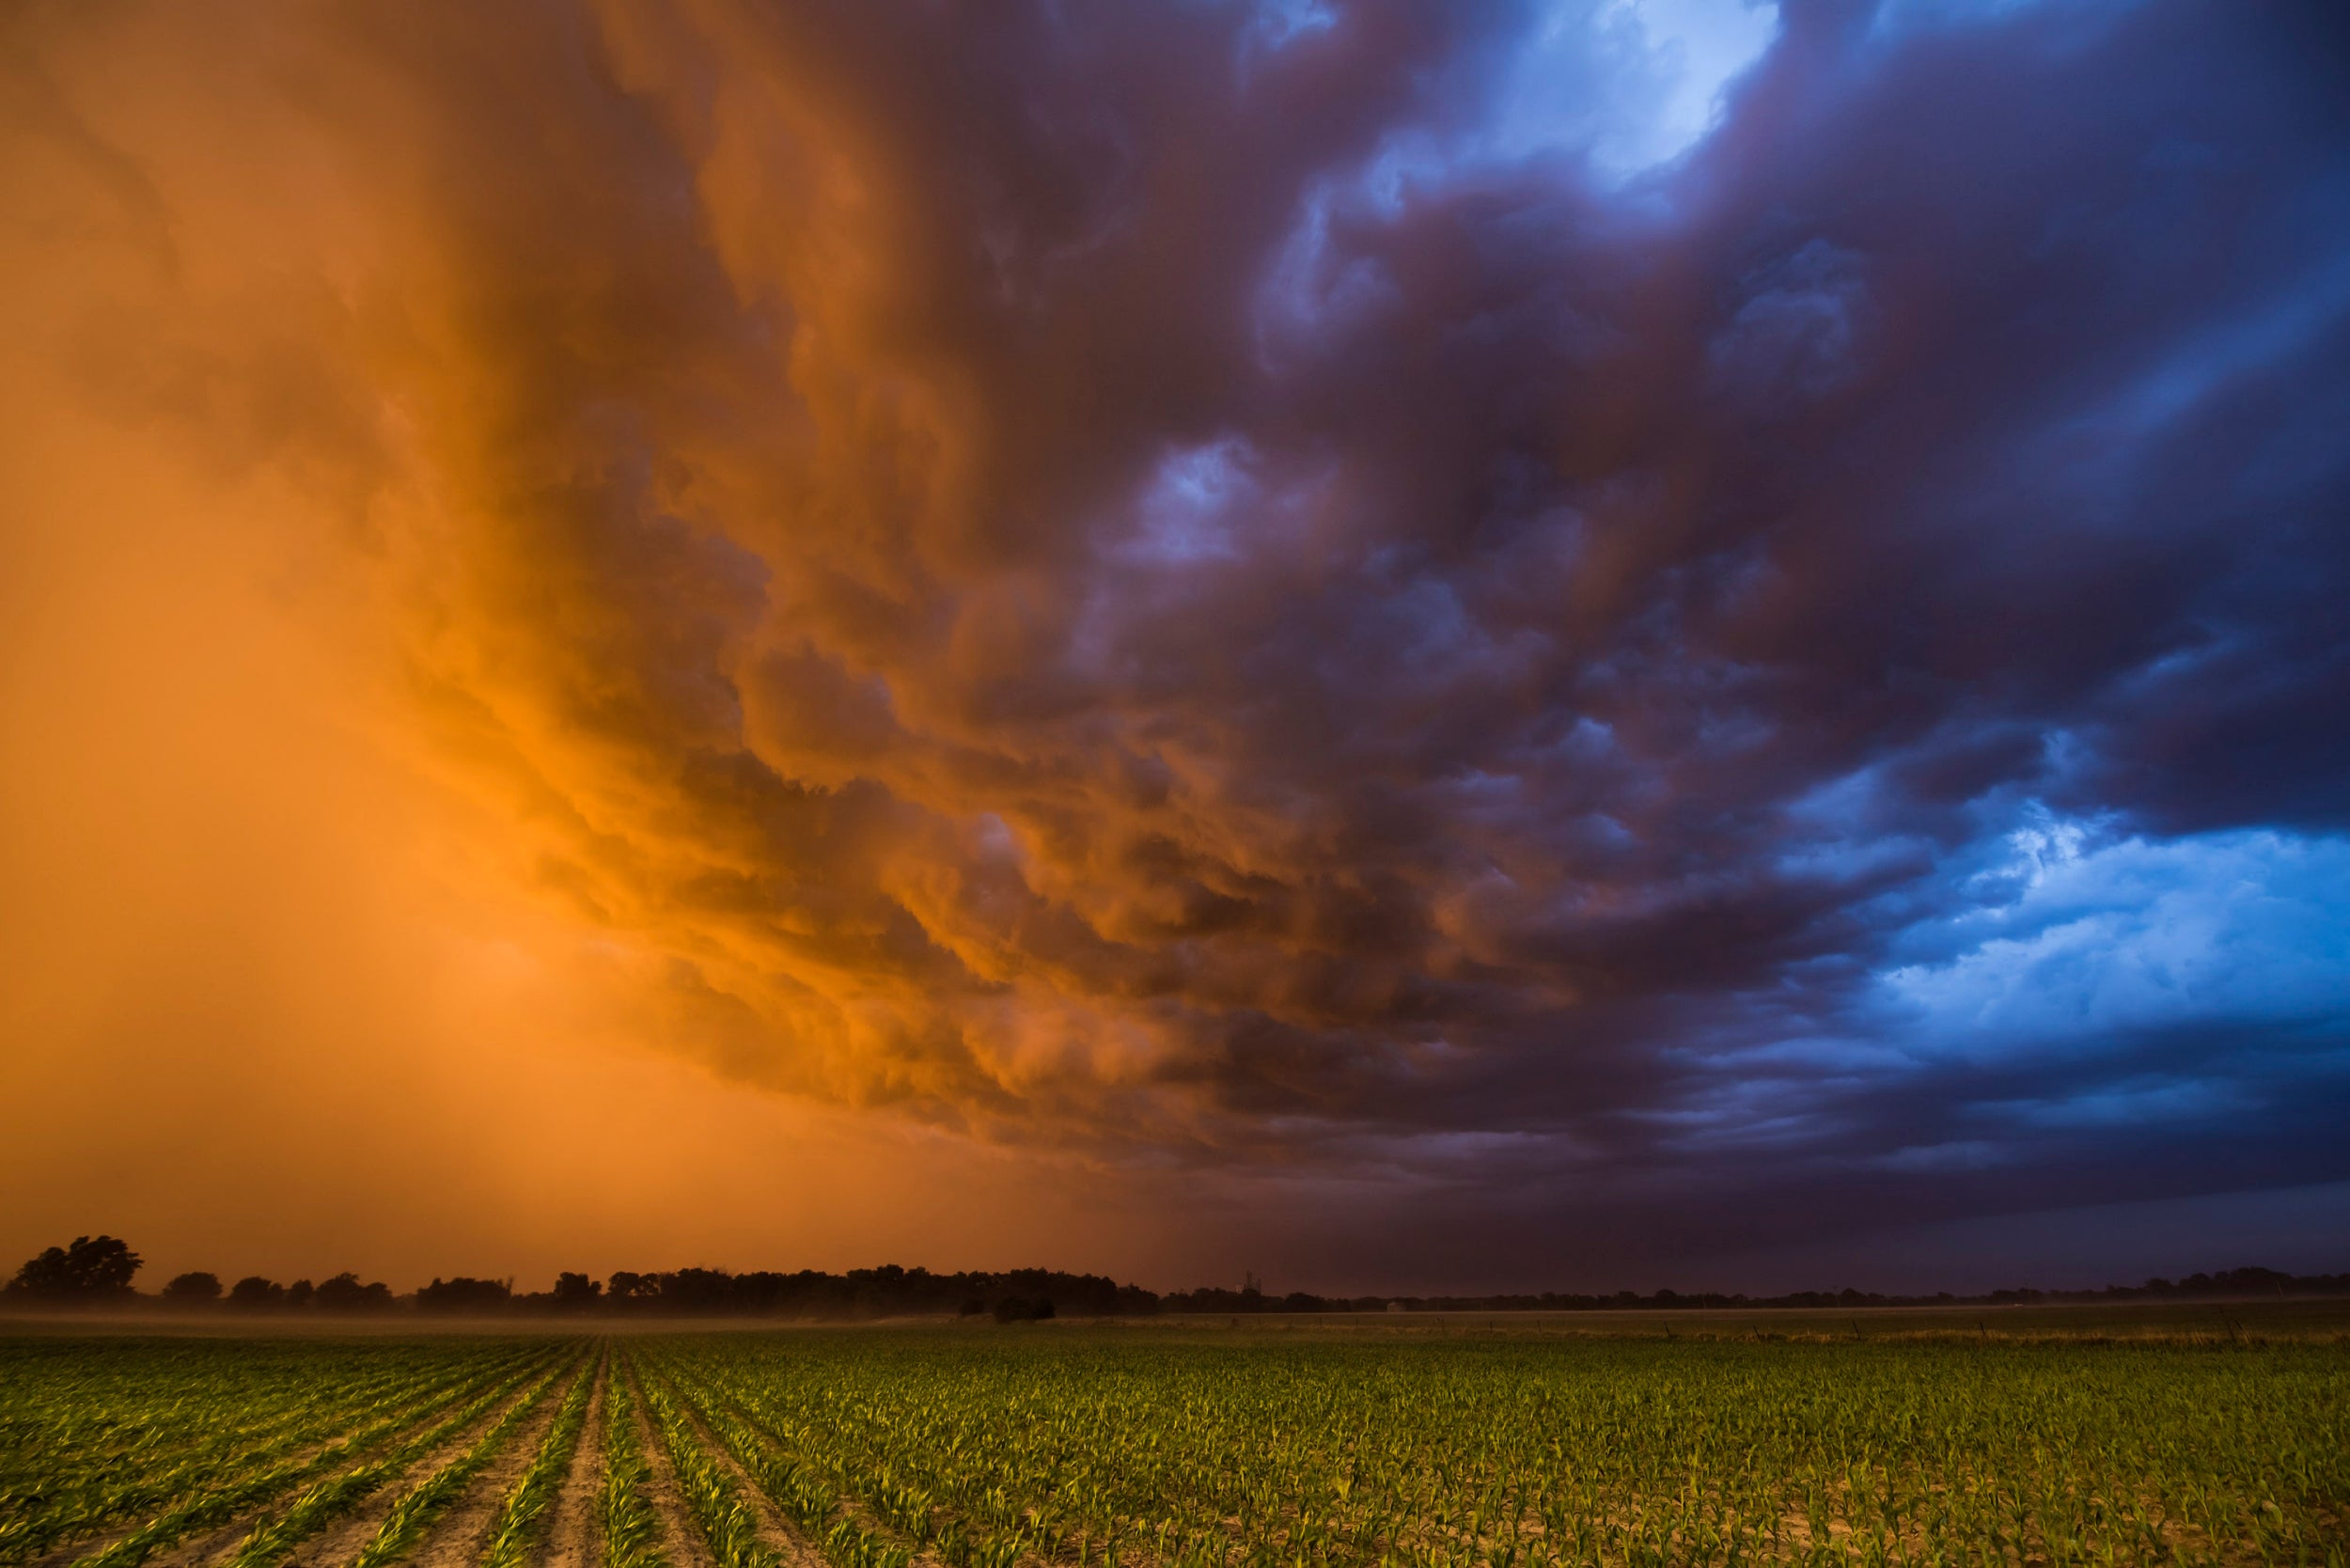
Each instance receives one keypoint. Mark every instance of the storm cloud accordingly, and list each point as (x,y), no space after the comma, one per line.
(1723,615)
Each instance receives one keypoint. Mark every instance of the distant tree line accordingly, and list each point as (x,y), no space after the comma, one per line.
(2230,1283)
(341,1293)
(889,1291)
(99,1270)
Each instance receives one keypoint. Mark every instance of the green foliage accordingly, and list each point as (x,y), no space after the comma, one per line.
(805,1500)
(275,1538)
(1534,1453)
(519,1511)
(410,1516)
(1151,1449)
(632,1531)
(95,1433)
(711,1494)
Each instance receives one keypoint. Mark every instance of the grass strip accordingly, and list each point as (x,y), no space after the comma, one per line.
(510,1537)
(328,1499)
(223,1503)
(632,1531)
(405,1526)
(712,1497)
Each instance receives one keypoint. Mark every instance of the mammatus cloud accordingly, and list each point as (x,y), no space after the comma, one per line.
(1274,585)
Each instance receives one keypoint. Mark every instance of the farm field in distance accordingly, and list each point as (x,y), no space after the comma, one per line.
(1403,1443)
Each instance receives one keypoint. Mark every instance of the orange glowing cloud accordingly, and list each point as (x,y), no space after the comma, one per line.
(870,602)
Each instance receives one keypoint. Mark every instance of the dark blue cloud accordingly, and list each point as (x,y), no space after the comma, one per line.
(1695,622)
(1841,660)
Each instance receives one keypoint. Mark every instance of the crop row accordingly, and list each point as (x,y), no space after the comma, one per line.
(414,1511)
(879,1450)
(251,1487)
(524,1506)
(1548,1456)
(632,1525)
(273,1539)
(75,1471)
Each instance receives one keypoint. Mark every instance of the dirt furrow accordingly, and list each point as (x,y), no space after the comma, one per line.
(458,1537)
(89,1545)
(340,1540)
(846,1504)
(259,1439)
(575,1532)
(218,1543)
(679,1538)
(795,1548)
(82,1546)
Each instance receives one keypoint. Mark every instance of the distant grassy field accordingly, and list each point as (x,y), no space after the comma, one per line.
(1395,1442)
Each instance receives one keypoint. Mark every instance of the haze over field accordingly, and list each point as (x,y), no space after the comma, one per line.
(1580,644)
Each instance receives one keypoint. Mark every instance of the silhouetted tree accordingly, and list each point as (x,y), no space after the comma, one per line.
(254,1291)
(344,1294)
(461,1294)
(696,1290)
(575,1291)
(301,1293)
(92,1268)
(193,1288)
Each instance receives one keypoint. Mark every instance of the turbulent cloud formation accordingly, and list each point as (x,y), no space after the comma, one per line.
(1581,600)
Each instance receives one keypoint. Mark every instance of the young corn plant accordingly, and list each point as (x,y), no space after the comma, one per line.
(236,1494)
(844,1540)
(725,1520)
(214,1436)
(519,1511)
(276,1539)
(632,1530)
(410,1516)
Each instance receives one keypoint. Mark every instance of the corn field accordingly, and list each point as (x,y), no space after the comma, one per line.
(1121,1447)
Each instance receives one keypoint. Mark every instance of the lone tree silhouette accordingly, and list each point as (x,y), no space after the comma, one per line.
(254,1291)
(345,1293)
(463,1295)
(198,1286)
(92,1268)
(574,1290)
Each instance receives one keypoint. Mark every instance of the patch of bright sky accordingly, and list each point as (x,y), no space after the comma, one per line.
(1634,83)
(2081,938)
(1181,516)
(1628,85)
(1631,83)
(1185,506)
(1841,831)
(2068,939)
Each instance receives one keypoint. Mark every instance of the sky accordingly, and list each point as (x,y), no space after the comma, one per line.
(1585,645)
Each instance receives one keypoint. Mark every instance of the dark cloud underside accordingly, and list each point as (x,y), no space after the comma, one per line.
(1153,581)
